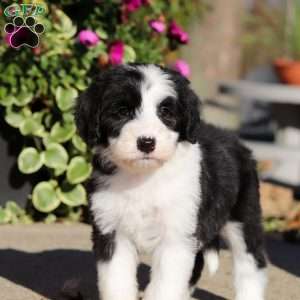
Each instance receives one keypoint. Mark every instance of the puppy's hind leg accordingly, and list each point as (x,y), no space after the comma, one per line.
(245,237)
(208,255)
(249,267)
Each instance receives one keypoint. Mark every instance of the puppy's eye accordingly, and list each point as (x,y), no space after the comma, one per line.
(166,112)
(123,111)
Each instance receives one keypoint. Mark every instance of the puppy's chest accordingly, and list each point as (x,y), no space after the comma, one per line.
(149,211)
(144,219)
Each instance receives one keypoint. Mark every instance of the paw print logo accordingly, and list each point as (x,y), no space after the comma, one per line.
(24,32)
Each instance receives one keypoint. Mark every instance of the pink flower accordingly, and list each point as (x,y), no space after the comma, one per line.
(176,32)
(157,25)
(182,67)
(132,5)
(88,38)
(116,52)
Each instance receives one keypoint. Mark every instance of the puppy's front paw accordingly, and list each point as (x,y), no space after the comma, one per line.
(162,294)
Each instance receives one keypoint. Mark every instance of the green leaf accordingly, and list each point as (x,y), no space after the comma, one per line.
(80,85)
(53,182)
(7,100)
(14,119)
(38,116)
(48,120)
(62,133)
(75,215)
(5,216)
(3,93)
(65,24)
(14,219)
(23,99)
(14,208)
(78,170)
(26,112)
(29,160)
(72,195)
(44,197)
(65,98)
(58,172)
(50,219)
(102,34)
(55,156)
(129,54)
(47,140)
(30,126)
(25,219)
(68,117)
(78,143)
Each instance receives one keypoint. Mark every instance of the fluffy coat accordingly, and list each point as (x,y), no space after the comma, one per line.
(167,184)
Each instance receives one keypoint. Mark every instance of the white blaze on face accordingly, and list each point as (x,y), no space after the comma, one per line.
(155,87)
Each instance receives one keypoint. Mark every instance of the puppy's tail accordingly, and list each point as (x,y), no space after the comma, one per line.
(211,256)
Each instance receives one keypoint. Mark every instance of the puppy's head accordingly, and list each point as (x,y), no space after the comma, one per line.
(137,114)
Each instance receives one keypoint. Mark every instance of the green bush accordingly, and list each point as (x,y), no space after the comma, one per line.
(38,86)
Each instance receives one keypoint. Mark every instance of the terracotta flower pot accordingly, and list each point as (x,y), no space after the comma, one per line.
(288,71)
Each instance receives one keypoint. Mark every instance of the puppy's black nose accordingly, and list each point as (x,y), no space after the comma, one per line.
(146,144)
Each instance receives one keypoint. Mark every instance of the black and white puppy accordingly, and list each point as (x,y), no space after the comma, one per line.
(166,184)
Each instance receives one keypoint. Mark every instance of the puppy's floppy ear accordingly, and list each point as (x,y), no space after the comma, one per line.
(87,118)
(191,116)
(82,109)
(190,104)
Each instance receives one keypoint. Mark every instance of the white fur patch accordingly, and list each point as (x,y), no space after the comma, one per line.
(171,269)
(117,278)
(250,281)
(156,86)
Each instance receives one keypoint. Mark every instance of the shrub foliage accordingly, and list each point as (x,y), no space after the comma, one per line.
(38,86)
